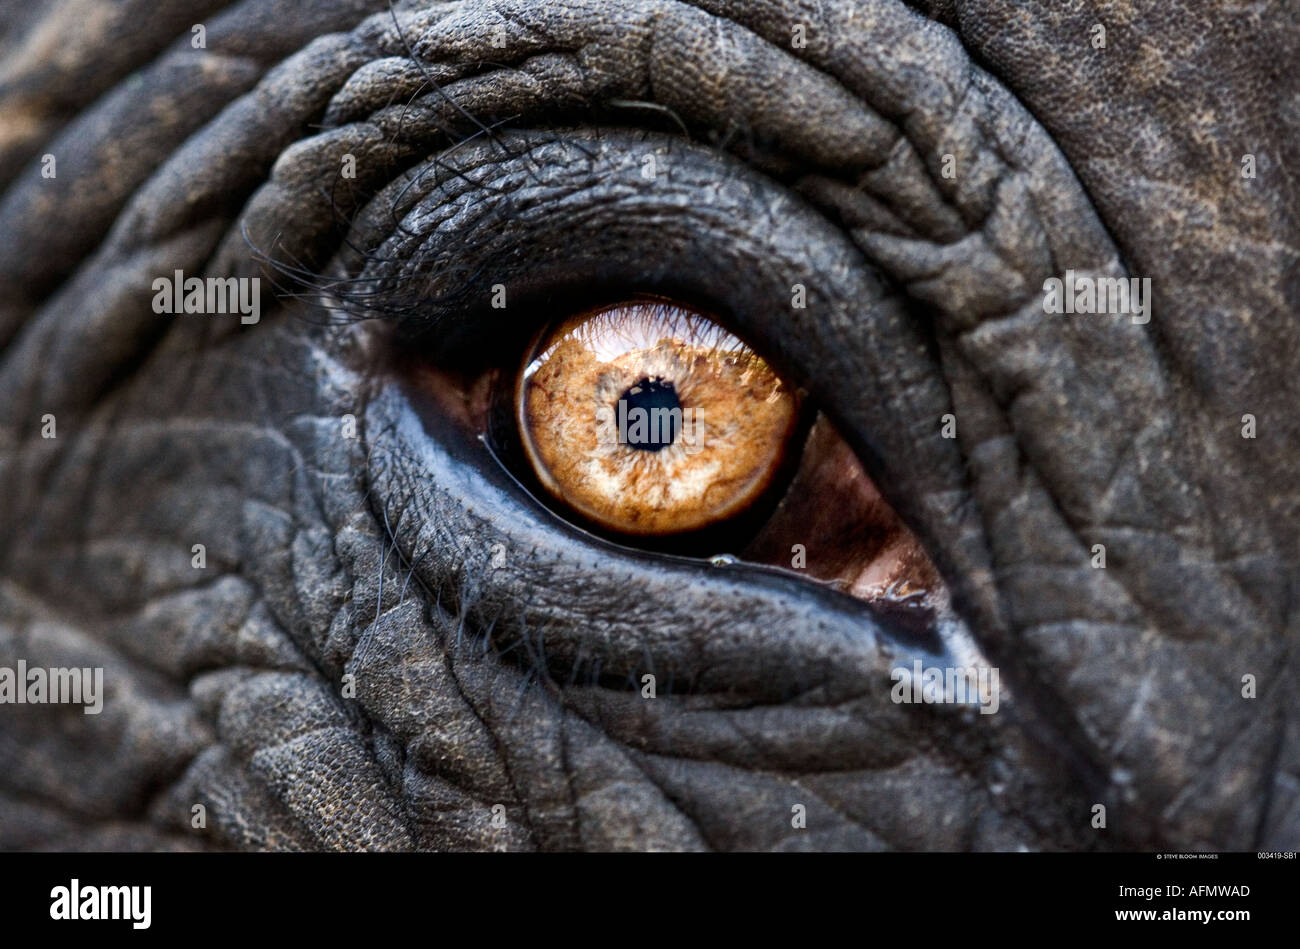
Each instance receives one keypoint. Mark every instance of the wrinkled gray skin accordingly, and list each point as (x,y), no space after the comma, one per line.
(512,676)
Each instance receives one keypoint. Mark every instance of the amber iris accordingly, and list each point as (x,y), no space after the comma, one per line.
(649,418)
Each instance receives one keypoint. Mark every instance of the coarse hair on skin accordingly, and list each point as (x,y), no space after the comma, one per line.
(477,621)
(355,283)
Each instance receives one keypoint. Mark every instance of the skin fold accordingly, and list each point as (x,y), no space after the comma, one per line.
(391,645)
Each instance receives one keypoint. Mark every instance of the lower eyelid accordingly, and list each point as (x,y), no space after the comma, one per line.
(451,519)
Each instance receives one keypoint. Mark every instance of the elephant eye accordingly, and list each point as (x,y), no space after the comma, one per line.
(649,418)
(649,423)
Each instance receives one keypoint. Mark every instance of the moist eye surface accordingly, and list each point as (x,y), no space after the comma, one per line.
(650,418)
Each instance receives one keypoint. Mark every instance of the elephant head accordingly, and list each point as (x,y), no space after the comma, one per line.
(329,614)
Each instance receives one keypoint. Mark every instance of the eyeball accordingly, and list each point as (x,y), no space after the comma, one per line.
(649,418)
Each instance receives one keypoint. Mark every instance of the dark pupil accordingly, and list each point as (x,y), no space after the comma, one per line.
(649,415)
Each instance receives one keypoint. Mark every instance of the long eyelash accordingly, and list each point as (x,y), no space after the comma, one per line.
(653,107)
(356,297)
(352,297)
(392,12)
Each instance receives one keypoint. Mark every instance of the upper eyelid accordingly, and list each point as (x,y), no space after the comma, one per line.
(896,161)
(850,131)
(458,245)
(362,283)
(852,107)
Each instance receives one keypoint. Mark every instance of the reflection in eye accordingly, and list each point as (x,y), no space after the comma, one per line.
(649,418)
